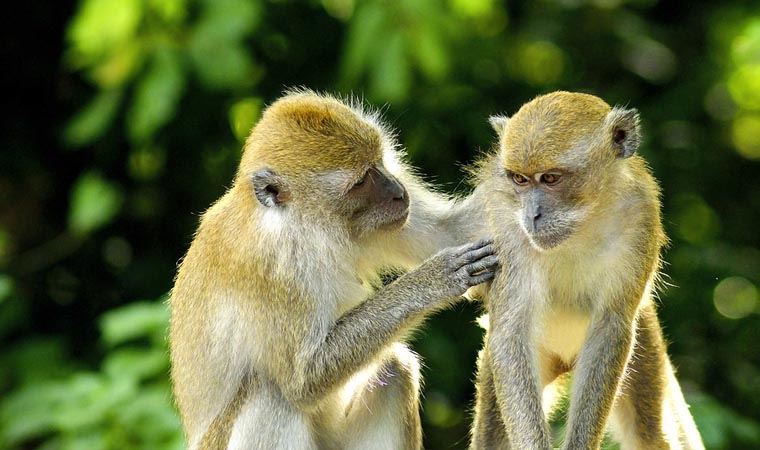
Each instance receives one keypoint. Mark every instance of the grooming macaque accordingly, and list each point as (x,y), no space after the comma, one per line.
(279,339)
(575,216)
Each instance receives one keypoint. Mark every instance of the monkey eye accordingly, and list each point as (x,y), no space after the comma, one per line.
(361,180)
(550,178)
(518,179)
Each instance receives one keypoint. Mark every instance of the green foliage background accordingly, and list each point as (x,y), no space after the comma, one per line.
(123,120)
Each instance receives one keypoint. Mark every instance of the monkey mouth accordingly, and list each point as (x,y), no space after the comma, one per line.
(543,241)
(397,222)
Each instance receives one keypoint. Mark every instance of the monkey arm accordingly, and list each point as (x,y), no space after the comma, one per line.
(361,334)
(598,372)
(514,363)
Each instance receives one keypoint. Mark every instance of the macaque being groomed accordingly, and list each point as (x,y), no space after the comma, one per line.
(279,339)
(575,216)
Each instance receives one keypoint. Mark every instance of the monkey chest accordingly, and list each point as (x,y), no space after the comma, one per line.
(562,333)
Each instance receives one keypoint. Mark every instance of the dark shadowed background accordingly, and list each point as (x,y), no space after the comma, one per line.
(123,120)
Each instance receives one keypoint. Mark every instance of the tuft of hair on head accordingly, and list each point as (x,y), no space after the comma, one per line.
(499,123)
(624,128)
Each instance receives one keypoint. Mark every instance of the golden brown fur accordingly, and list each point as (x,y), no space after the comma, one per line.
(576,217)
(278,338)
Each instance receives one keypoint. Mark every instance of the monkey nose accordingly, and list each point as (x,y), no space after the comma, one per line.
(399,194)
(535,222)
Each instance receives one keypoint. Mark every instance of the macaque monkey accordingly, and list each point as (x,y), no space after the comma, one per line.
(282,336)
(575,216)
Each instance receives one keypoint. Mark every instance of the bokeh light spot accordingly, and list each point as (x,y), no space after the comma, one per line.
(6,286)
(472,8)
(541,63)
(696,221)
(439,411)
(719,104)
(103,24)
(243,114)
(744,86)
(650,60)
(735,297)
(340,9)
(117,252)
(746,135)
(146,163)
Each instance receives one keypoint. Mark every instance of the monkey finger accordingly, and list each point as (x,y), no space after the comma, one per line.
(481,278)
(480,243)
(476,255)
(489,262)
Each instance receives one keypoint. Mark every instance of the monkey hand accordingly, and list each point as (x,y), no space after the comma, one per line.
(456,269)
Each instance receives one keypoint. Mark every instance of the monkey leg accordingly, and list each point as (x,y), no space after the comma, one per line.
(650,412)
(383,411)
(488,430)
(266,420)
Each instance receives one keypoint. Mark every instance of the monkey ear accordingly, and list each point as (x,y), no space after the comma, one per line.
(623,126)
(499,124)
(269,188)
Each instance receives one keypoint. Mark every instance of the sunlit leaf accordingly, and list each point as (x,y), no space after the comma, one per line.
(243,114)
(89,398)
(362,41)
(101,25)
(136,363)
(136,320)
(172,11)
(116,70)
(340,9)
(229,20)
(93,121)
(157,95)
(745,132)
(744,86)
(221,64)
(153,415)
(216,48)
(430,53)
(472,8)
(391,78)
(86,440)
(94,203)
(38,418)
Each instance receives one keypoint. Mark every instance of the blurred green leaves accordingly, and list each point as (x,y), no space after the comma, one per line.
(165,92)
(243,115)
(94,202)
(220,58)
(149,47)
(136,320)
(90,123)
(389,42)
(157,95)
(124,406)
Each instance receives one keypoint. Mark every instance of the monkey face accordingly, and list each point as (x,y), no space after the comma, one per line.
(375,201)
(547,211)
(558,153)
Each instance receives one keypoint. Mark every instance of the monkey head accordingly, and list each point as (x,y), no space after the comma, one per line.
(322,158)
(557,156)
